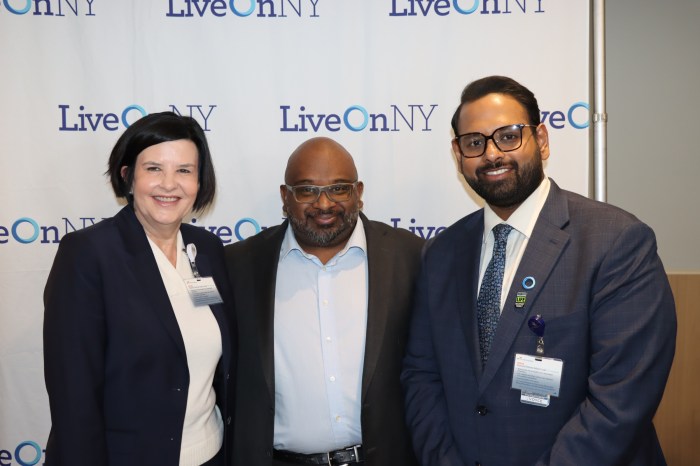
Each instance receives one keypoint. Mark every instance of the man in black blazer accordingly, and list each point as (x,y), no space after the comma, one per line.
(576,366)
(323,311)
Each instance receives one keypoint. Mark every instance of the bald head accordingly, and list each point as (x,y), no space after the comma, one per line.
(322,227)
(316,156)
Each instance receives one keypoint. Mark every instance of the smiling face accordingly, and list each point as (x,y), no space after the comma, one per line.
(323,227)
(165,185)
(503,179)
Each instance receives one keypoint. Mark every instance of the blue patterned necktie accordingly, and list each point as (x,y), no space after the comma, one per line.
(488,304)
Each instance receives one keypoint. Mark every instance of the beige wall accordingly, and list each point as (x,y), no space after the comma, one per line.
(678,418)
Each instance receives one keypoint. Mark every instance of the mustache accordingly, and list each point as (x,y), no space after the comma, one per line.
(488,165)
(317,212)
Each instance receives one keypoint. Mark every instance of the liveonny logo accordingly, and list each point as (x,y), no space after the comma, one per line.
(242,8)
(27,230)
(27,453)
(57,8)
(82,119)
(464,7)
(577,116)
(411,117)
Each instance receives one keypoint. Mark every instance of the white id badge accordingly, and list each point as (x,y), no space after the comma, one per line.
(203,291)
(533,399)
(536,376)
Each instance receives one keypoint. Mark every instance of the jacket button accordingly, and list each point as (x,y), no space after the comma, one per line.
(481,410)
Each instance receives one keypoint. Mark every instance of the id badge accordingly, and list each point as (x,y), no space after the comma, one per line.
(537,378)
(203,291)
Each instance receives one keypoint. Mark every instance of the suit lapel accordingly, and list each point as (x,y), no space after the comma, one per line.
(263,266)
(145,269)
(543,250)
(380,271)
(466,264)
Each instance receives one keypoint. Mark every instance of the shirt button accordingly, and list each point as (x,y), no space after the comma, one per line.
(328,339)
(337,419)
(325,301)
(332,378)
(482,410)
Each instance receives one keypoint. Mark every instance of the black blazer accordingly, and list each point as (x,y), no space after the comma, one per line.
(114,359)
(393,262)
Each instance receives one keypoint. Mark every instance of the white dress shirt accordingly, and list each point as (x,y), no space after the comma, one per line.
(523,222)
(319,342)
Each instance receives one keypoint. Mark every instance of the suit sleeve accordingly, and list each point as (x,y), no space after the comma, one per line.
(426,407)
(632,343)
(74,355)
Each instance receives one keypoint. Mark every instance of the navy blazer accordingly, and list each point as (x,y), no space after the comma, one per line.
(393,258)
(609,314)
(114,359)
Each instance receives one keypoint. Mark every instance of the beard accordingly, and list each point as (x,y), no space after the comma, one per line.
(322,236)
(511,192)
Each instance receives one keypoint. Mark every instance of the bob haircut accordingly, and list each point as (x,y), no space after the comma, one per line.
(498,85)
(149,131)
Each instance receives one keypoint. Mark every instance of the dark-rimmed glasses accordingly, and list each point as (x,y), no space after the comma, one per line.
(507,138)
(308,193)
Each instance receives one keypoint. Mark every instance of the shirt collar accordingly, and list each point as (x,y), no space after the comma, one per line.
(525,216)
(357,240)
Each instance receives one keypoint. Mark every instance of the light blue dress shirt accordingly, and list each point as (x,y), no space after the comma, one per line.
(319,343)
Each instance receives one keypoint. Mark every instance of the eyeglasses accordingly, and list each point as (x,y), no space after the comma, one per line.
(308,194)
(506,138)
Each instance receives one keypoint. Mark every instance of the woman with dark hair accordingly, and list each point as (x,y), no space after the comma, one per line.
(137,331)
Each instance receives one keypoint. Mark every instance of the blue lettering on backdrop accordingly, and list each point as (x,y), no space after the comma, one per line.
(74,9)
(356,118)
(110,121)
(26,230)
(27,453)
(578,116)
(424,231)
(242,8)
(463,7)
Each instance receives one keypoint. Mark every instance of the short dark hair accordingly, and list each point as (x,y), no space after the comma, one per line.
(499,85)
(149,131)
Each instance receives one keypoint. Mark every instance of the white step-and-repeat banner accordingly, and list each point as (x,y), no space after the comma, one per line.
(382,77)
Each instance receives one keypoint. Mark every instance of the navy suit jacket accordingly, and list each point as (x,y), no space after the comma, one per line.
(114,359)
(393,261)
(609,315)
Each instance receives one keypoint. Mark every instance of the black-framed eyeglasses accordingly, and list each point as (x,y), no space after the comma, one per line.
(308,194)
(506,138)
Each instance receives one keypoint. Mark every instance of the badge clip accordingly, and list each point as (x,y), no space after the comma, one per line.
(536,324)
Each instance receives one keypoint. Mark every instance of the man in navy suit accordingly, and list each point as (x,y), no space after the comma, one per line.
(324,301)
(572,365)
